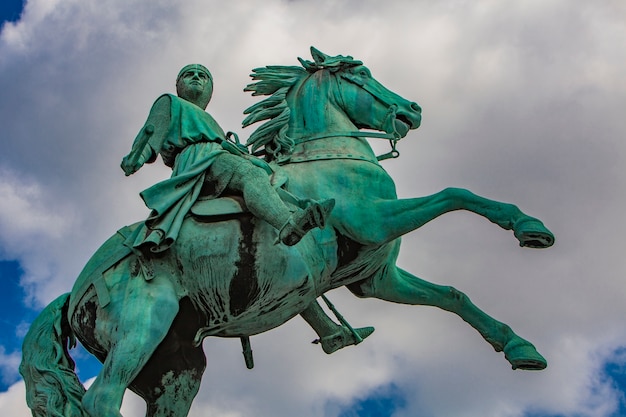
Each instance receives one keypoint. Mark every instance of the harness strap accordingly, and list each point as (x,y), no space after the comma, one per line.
(98,282)
(393,139)
(321,156)
(354,134)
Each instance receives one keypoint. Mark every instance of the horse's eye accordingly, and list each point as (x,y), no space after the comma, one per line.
(364,73)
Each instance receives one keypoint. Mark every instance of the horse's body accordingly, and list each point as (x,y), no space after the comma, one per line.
(145,319)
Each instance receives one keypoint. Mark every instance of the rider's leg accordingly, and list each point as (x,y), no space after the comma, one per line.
(259,195)
(143,316)
(332,336)
(399,286)
(263,201)
(381,221)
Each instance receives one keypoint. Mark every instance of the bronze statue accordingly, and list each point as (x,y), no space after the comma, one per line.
(145,315)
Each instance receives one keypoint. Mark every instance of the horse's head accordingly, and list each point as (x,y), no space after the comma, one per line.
(364,100)
(328,97)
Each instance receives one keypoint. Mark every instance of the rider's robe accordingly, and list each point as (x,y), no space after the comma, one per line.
(188,140)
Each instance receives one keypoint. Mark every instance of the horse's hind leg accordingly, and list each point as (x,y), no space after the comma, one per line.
(399,286)
(139,319)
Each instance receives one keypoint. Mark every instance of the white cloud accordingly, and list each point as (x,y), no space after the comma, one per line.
(9,362)
(522,102)
(25,214)
(32,221)
(13,401)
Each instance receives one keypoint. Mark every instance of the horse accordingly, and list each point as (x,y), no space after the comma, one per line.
(145,318)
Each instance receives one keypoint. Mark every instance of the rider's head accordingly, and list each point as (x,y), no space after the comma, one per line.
(195,84)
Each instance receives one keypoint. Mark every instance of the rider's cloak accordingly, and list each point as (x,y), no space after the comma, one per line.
(188,140)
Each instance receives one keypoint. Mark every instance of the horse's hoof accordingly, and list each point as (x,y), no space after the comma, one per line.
(531,233)
(521,354)
(343,338)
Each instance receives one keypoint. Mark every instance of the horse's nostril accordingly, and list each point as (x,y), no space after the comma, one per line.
(416,107)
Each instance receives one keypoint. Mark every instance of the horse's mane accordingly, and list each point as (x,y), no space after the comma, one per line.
(273,81)
(276,81)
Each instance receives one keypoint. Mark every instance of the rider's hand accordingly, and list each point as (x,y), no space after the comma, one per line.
(129,168)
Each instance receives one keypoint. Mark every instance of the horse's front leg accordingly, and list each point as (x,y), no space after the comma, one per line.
(139,317)
(399,286)
(382,221)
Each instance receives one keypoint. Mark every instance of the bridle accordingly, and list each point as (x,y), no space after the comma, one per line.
(388,125)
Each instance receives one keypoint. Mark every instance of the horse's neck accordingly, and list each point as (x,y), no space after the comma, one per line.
(317,128)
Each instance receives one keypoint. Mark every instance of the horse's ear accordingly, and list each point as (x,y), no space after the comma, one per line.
(318,56)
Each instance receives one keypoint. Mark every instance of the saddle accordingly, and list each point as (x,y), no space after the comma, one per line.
(207,209)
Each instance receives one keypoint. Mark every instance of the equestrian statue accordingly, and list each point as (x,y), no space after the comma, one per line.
(242,238)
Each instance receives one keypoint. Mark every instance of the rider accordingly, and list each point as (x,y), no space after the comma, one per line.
(191,142)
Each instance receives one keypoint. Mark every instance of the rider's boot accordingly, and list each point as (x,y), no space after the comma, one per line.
(342,338)
(302,221)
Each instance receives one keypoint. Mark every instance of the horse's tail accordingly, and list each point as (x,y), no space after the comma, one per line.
(52,387)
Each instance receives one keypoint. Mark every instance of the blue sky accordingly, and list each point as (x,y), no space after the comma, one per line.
(521,103)
(11,10)
(12,310)
(15,317)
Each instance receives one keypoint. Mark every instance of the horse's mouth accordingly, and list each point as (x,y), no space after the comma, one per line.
(402,124)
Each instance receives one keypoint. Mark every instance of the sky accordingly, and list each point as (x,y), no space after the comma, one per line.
(522,102)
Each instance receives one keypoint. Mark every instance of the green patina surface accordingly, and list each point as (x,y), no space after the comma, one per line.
(238,243)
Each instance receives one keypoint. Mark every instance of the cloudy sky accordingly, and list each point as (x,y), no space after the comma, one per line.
(523,102)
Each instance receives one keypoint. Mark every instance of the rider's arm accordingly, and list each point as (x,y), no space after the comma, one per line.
(150,138)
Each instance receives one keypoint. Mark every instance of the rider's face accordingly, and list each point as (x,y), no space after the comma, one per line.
(194,84)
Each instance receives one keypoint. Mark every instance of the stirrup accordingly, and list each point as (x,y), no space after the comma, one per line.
(342,338)
(345,336)
(302,221)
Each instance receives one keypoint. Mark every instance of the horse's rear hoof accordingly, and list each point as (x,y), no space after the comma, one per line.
(531,233)
(521,354)
(529,365)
